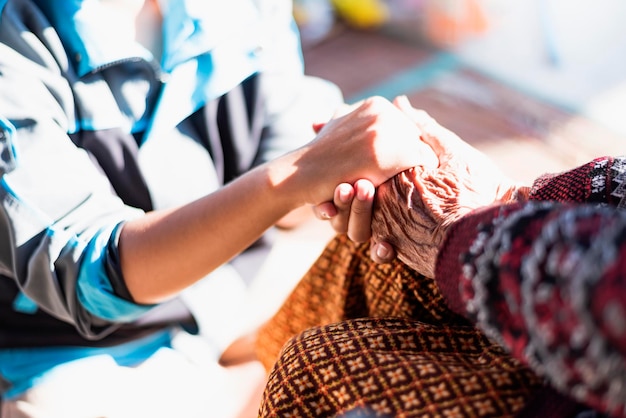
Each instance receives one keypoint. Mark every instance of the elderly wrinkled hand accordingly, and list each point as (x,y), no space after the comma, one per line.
(414,210)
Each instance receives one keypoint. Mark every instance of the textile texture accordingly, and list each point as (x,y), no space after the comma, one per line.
(378,340)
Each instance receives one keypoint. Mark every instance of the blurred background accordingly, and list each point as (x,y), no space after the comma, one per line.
(538,84)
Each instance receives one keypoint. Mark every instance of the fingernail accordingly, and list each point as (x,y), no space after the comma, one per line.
(364,193)
(344,195)
(325,215)
(382,252)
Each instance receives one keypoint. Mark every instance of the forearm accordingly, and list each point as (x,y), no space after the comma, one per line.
(165,252)
(598,181)
(169,251)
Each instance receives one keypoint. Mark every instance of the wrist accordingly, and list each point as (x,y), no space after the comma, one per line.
(521,194)
(516,193)
(283,180)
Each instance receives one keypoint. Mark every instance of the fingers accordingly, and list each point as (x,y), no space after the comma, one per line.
(422,120)
(354,210)
(344,195)
(420,117)
(325,211)
(350,212)
(360,218)
(381,252)
(375,141)
(441,140)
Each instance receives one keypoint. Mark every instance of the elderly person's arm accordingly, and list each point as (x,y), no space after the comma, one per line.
(539,269)
(546,280)
(415,209)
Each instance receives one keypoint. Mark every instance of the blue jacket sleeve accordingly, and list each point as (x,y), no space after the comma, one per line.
(58,214)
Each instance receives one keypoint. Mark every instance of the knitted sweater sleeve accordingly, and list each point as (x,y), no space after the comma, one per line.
(545,279)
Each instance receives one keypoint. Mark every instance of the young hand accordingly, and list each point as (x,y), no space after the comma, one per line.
(373,141)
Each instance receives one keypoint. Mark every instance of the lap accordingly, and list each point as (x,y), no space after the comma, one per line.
(395,367)
(355,335)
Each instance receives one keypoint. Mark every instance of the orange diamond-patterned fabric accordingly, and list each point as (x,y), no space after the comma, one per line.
(378,340)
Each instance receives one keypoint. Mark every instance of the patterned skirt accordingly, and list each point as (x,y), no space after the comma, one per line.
(360,339)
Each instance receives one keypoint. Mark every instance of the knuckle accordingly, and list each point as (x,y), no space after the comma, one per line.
(339,225)
(361,210)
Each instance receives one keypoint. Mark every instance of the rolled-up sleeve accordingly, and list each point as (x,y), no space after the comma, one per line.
(60,219)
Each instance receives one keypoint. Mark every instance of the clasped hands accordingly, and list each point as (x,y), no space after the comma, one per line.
(410,214)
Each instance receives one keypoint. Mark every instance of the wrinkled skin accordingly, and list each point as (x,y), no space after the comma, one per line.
(414,210)
(350,211)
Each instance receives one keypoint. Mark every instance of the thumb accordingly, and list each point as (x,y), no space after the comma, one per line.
(442,141)
(382,252)
(420,117)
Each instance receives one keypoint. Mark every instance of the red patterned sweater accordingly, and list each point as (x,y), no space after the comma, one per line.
(547,279)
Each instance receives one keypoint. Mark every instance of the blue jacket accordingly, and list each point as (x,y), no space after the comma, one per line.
(94,131)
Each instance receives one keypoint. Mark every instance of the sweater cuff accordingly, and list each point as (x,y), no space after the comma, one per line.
(463,244)
(598,181)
